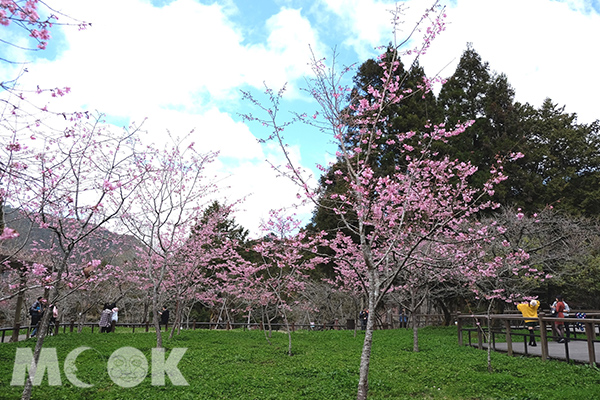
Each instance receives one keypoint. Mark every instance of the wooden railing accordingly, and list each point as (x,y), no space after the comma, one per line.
(505,324)
(420,319)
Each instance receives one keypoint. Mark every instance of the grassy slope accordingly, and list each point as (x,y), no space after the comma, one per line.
(241,365)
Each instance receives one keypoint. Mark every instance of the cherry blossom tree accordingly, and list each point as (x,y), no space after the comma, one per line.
(391,222)
(72,184)
(163,212)
(285,258)
(35,19)
(25,15)
(202,261)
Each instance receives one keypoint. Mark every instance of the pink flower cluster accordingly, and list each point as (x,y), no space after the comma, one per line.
(27,15)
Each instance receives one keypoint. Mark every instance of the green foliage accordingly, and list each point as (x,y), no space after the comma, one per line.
(241,365)
(474,92)
(411,114)
(560,166)
(564,157)
(228,227)
(561,156)
(580,284)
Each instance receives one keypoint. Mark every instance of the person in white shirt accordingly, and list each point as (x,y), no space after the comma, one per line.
(114,319)
(566,314)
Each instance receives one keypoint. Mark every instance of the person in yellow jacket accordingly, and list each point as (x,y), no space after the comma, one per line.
(529,310)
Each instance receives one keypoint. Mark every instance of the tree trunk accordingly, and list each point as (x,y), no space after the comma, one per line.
(155,319)
(41,332)
(80,321)
(177,321)
(446,312)
(413,311)
(365,357)
(20,300)
(289,331)
(263,325)
(415,337)
(489,333)
(144,316)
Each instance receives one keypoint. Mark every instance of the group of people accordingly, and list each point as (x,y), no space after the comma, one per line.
(37,310)
(560,309)
(109,318)
(363,316)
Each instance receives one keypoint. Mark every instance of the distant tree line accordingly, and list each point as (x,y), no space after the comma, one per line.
(557,177)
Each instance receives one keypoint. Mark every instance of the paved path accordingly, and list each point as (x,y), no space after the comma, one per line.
(21,338)
(578,350)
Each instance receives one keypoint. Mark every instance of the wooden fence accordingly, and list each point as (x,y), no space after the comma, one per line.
(505,325)
(420,319)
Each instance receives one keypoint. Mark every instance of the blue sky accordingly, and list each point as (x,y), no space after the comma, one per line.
(182,63)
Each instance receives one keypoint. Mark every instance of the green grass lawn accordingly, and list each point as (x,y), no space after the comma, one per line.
(242,365)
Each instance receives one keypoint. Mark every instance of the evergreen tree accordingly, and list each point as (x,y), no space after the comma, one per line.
(410,114)
(227,225)
(473,92)
(564,161)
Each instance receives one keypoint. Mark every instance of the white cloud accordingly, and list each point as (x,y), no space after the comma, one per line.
(143,57)
(542,46)
(184,55)
(284,57)
(211,130)
(182,65)
(261,187)
(367,23)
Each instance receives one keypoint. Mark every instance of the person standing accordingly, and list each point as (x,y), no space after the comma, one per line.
(403,318)
(164,317)
(560,313)
(364,317)
(566,315)
(52,324)
(36,311)
(105,319)
(529,311)
(114,317)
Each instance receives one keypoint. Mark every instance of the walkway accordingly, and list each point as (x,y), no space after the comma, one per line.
(509,336)
(577,350)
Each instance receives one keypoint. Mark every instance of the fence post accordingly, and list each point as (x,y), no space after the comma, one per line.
(543,336)
(15,333)
(72,326)
(590,333)
(147,326)
(459,327)
(509,348)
